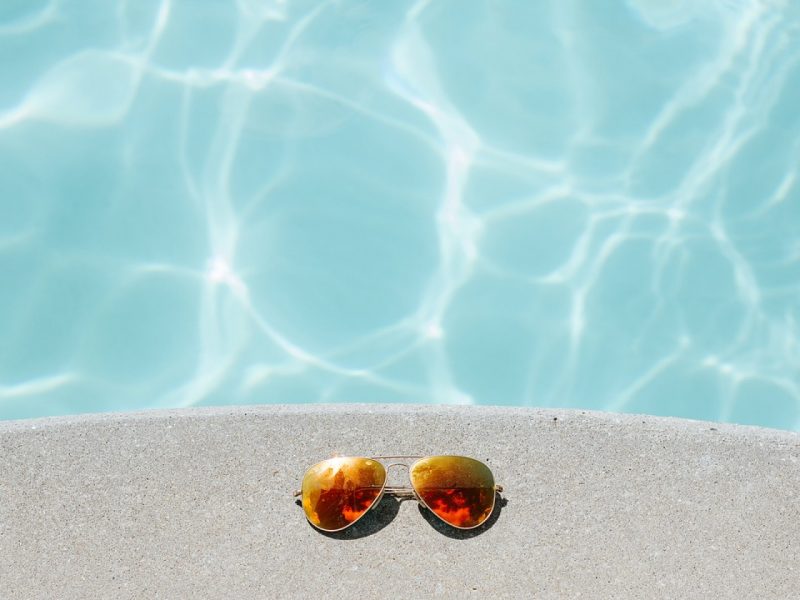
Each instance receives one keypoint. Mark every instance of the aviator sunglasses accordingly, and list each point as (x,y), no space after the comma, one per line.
(339,491)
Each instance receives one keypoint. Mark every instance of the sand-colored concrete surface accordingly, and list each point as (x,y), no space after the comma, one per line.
(198,503)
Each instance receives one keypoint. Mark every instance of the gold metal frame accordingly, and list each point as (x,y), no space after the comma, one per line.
(408,493)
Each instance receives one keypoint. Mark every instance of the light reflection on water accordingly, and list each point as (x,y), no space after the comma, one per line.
(523,203)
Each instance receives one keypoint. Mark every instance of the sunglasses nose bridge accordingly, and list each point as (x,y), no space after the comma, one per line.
(389,471)
(397,464)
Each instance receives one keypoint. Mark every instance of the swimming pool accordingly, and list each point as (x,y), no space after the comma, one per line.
(553,203)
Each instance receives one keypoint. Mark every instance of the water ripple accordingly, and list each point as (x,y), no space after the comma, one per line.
(507,203)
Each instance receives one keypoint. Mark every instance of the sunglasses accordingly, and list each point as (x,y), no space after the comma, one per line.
(338,492)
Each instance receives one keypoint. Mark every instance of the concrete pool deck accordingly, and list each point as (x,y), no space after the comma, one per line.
(197,503)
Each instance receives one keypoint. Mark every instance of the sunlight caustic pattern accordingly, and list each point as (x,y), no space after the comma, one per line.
(279,201)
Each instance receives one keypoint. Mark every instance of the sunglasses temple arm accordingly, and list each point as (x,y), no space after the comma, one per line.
(409,493)
(396,492)
(400,492)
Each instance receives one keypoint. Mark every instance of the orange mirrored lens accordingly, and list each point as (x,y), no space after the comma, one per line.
(338,491)
(459,490)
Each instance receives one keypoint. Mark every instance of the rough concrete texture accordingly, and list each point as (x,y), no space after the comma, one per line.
(198,504)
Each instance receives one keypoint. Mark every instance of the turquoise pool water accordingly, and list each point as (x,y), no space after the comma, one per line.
(548,203)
